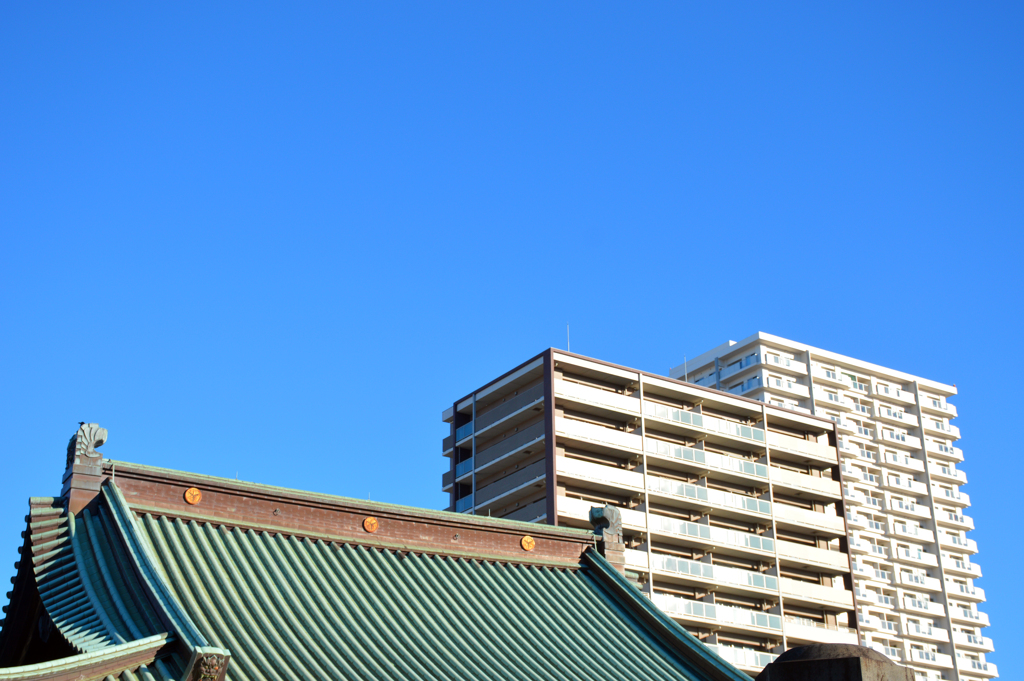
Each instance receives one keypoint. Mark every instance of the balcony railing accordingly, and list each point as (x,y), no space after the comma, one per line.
(464,504)
(723,614)
(699,456)
(718,573)
(712,496)
(462,432)
(719,535)
(744,657)
(696,420)
(463,467)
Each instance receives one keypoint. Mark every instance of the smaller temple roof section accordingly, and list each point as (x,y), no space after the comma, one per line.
(75,583)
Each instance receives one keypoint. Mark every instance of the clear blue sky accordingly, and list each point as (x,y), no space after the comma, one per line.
(276,241)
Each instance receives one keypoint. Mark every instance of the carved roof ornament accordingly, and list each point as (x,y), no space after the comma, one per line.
(84,443)
(607,522)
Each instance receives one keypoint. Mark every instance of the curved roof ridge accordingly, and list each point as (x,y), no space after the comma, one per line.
(255,488)
(141,553)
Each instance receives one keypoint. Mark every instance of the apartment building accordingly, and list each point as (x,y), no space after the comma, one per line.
(913,564)
(732,509)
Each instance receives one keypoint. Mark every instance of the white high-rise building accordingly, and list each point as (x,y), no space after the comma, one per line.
(913,563)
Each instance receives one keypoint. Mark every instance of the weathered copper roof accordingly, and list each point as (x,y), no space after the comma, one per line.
(140,585)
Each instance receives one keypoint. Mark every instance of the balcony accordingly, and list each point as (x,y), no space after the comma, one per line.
(464,504)
(447,444)
(446,481)
(872,574)
(744,658)
(869,622)
(697,533)
(972,642)
(786,386)
(802,519)
(927,658)
(927,633)
(606,477)
(513,445)
(831,399)
(860,387)
(784,363)
(948,474)
(897,417)
(512,411)
(512,487)
(904,462)
(463,468)
(795,591)
(854,495)
(812,557)
(802,485)
(707,499)
(966,592)
(913,532)
(951,496)
(929,608)
(604,438)
(975,617)
(688,421)
(734,368)
(916,557)
(921,582)
(853,475)
(947,430)
(961,568)
(810,631)
(463,432)
(897,394)
(829,377)
(805,449)
(689,458)
(716,616)
(945,451)
(858,545)
(865,596)
(907,508)
(719,575)
(595,397)
(901,439)
(957,543)
(986,669)
(906,485)
(936,406)
(856,521)
(957,520)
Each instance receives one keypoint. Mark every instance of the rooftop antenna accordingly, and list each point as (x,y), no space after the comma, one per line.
(567,348)
(686,376)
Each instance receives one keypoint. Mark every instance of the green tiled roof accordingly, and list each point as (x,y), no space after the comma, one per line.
(288,606)
(291,607)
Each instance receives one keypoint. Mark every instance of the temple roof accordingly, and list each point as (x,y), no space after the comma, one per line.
(145,573)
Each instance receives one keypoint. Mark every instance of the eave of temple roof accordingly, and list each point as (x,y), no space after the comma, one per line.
(132,661)
(87,583)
